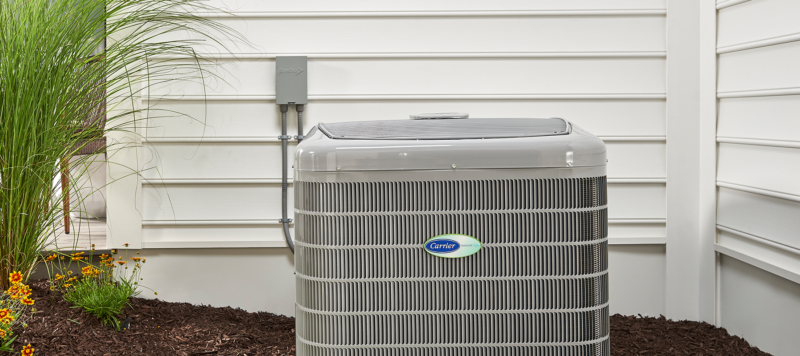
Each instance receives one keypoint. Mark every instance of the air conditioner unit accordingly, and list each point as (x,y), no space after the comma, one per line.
(451,237)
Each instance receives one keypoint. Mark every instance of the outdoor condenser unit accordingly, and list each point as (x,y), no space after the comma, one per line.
(451,237)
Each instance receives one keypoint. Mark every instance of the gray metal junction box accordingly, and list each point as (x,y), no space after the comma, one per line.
(451,237)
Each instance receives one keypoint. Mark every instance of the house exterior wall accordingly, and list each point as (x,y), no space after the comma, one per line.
(758,193)
(209,215)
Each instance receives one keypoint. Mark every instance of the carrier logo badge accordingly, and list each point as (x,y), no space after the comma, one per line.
(452,246)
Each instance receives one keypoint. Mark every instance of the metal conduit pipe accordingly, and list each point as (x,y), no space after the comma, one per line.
(285,178)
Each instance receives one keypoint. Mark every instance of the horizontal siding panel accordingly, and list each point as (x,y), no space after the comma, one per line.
(214,160)
(637,201)
(213,202)
(767,217)
(185,234)
(262,201)
(783,258)
(260,118)
(764,167)
(446,34)
(636,230)
(767,118)
(442,76)
(437,5)
(771,67)
(757,20)
(637,159)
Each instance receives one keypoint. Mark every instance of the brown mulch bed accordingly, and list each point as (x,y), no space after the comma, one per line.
(658,336)
(157,328)
(163,328)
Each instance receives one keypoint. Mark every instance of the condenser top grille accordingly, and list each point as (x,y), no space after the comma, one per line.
(444,129)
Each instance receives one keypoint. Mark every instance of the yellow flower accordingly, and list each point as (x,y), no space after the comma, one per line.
(52,288)
(15,277)
(121,262)
(59,277)
(3,333)
(6,316)
(137,259)
(27,301)
(126,245)
(76,254)
(27,350)
(90,271)
(51,257)
(67,285)
(104,256)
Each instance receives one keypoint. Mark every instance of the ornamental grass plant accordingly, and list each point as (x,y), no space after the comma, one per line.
(71,73)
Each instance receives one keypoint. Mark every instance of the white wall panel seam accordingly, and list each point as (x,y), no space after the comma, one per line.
(759,92)
(210,222)
(759,191)
(443,55)
(414,55)
(759,43)
(159,181)
(756,262)
(636,221)
(268,139)
(759,239)
(759,142)
(728,3)
(637,240)
(488,13)
(367,97)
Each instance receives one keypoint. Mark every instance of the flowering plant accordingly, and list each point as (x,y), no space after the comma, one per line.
(14,304)
(102,290)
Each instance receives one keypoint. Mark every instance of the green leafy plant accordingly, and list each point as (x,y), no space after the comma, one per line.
(102,290)
(65,67)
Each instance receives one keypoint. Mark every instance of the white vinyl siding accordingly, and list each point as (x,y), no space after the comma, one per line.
(758,199)
(214,181)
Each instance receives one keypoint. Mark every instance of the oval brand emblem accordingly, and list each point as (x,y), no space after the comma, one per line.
(442,246)
(452,246)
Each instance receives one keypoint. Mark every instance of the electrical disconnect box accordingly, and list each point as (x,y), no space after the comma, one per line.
(291,80)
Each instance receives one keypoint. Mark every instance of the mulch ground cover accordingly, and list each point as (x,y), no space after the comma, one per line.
(157,328)
(658,336)
(163,328)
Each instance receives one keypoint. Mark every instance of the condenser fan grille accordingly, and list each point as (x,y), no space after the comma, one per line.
(538,286)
